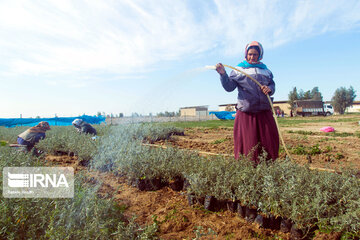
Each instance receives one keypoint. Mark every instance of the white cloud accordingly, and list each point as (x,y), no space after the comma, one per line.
(60,38)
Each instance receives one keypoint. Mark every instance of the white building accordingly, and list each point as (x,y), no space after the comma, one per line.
(355,108)
(194,111)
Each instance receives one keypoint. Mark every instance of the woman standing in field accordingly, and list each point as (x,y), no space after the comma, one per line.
(255,129)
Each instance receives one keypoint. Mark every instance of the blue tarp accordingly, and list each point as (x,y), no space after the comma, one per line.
(56,121)
(224,115)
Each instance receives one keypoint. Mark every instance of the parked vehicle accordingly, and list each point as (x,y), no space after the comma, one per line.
(313,108)
(328,109)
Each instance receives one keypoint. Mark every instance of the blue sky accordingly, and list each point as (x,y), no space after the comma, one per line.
(74,57)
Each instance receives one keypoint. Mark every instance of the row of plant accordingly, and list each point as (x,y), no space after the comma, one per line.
(66,140)
(331,134)
(86,216)
(310,150)
(9,135)
(309,198)
(295,121)
(283,122)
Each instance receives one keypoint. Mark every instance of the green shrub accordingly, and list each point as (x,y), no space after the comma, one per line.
(315,150)
(218,141)
(300,150)
(66,139)
(10,134)
(339,156)
(85,216)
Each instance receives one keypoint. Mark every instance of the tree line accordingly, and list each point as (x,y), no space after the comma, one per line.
(342,98)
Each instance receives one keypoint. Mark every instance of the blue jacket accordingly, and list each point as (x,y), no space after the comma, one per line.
(250,97)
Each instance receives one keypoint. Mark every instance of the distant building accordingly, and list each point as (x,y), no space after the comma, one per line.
(194,111)
(355,108)
(283,106)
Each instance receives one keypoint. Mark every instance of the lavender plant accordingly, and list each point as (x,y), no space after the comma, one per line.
(10,134)
(66,140)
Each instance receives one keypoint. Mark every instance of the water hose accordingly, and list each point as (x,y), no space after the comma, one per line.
(272,107)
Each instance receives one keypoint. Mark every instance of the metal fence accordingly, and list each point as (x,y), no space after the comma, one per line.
(116,121)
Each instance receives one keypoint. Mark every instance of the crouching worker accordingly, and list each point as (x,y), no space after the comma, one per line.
(33,135)
(83,127)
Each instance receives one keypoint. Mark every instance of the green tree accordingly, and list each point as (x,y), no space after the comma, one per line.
(166,114)
(343,98)
(316,94)
(307,95)
(301,94)
(293,96)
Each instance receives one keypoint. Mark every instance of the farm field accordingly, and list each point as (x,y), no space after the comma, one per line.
(116,164)
(302,136)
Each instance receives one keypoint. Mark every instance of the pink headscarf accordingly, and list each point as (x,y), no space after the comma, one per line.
(254,44)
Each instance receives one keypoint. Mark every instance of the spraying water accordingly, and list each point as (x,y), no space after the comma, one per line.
(210,67)
(173,88)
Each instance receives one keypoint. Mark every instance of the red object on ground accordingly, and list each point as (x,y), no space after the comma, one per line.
(327,129)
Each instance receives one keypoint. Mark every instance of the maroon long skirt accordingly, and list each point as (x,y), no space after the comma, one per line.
(255,132)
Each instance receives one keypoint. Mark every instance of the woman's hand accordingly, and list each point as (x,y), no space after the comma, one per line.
(220,68)
(265,89)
